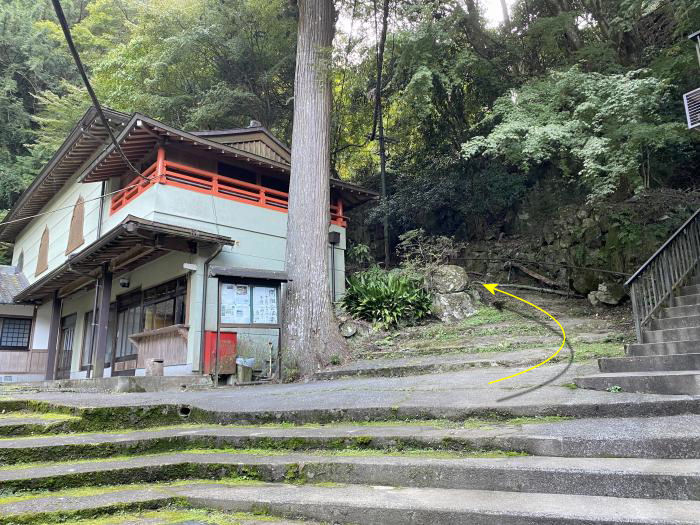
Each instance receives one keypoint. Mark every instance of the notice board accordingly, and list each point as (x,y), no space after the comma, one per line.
(249,304)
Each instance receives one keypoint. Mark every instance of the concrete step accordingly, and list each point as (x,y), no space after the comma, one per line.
(650,363)
(641,437)
(691,289)
(680,311)
(624,478)
(665,323)
(674,383)
(685,300)
(27,424)
(433,364)
(369,505)
(672,347)
(671,334)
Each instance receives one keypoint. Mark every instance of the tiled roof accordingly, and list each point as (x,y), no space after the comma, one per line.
(12,282)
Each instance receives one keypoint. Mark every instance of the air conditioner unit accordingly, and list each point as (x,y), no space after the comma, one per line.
(692,108)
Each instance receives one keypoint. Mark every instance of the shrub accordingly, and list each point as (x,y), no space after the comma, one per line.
(386,298)
(422,253)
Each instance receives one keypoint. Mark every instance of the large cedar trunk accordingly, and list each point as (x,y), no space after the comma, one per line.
(310,336)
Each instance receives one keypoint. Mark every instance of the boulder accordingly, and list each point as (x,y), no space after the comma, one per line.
(584,281)
(453,307)
(607,293)
(348,329)
(354,327)
(449,278)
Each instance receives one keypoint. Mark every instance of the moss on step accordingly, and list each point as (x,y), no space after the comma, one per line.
(51,518)
(293,471)
(96,490)
(173,514)
(169,444)
(42,416)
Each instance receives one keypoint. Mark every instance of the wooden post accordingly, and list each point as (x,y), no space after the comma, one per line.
(160,165)
(103,323)
(54,329)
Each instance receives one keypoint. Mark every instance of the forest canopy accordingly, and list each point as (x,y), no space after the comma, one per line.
(584,94)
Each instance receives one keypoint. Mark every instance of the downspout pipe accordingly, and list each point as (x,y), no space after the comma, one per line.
(203,325)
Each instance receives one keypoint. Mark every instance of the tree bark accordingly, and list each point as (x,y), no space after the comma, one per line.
(506,16)
(378,122)
(310,336)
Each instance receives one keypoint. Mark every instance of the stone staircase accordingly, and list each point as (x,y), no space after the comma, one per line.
(667,361)
(485,469)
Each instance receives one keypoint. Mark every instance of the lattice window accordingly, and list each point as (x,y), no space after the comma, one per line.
(14,332)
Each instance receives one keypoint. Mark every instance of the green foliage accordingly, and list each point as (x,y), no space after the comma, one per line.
(386,298)
(205,64)
(573,94)
(358,255)
(598,129)
(420,252)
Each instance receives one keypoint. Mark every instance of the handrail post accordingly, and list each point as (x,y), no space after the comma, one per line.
(635,312)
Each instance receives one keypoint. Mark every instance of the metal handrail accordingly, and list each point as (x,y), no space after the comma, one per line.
(653,284)
(661,249)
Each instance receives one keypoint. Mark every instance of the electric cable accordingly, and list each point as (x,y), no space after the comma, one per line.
(96,103)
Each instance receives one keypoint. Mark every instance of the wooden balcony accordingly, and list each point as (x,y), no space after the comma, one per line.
(171,173)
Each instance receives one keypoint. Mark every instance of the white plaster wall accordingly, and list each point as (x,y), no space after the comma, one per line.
(40,335)
(59,226)
(142,206)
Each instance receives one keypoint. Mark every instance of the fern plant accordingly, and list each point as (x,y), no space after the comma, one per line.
(386,298)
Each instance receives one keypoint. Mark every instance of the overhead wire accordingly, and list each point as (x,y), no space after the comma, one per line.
(95,102)
(98,107)
(71,205)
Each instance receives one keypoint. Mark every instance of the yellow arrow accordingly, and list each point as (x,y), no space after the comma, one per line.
(492,288)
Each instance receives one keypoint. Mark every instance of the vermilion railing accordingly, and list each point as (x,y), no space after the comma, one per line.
(194,179)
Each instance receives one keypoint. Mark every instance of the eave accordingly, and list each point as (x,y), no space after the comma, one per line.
(84,140)
(132,243)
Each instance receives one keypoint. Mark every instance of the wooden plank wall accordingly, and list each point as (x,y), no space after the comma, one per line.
(170,346)
(23,362)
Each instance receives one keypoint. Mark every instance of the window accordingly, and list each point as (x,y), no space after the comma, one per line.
(75,236)
(42,259)
(14,333)
(164,305)
(86,354)
(157,307)
(64,359)
(20,261)
(128,323)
